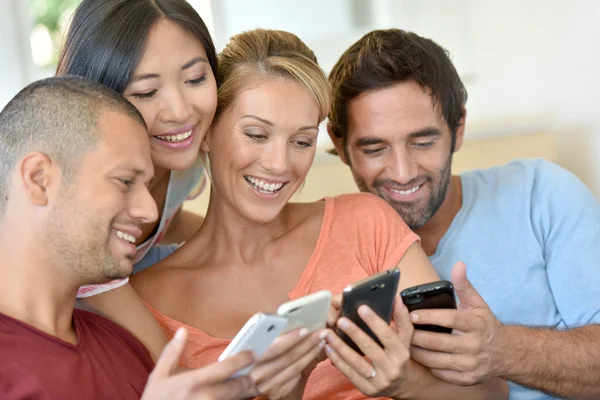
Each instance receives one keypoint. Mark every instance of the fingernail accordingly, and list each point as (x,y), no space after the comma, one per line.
(323,335)
(414,317)
(321,344)
(179,334)
(303,332)
(343,323)
(363,311)
(328,349)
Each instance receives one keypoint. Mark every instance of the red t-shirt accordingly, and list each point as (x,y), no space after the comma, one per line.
(107,363)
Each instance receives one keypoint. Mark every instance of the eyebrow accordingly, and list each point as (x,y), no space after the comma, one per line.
(131,168)
(185,66)
(423,133)
(193,62)
(267,122)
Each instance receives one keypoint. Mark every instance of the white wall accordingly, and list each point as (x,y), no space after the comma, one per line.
(15,55)
(527,64)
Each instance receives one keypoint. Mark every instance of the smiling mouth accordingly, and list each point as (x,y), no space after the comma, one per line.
(180,137)
(405,192)
(125,236)
(263,186)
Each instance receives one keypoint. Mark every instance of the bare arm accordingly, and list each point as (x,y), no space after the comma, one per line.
(565,364)
(391,372)
(182,227)
(124,307)
(430,387)
(415,268)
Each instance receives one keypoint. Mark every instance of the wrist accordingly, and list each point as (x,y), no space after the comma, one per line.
(417,380)
(504,348)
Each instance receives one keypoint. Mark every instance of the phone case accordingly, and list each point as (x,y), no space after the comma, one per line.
(433,295)
(256,336)
(306,312)
(378,292)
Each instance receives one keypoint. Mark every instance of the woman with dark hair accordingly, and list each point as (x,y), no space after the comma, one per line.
(159,55)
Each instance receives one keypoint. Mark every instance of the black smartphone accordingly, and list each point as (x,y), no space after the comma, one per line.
(430,295)
(378,292)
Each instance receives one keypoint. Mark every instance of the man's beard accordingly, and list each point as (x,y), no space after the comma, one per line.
(414,214)
(81,253)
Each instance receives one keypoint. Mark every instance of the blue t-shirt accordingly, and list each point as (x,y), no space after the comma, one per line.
(529,233)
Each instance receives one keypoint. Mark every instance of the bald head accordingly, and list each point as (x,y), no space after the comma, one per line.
(58,117)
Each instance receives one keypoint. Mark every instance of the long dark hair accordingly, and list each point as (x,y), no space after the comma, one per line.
(106,38)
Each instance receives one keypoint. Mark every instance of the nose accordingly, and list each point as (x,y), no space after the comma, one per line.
(276,158)
(402,167)
(176,108)
(143,207)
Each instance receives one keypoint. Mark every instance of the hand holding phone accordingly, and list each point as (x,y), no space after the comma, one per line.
(378,292)
(308,312)
(256,336)
(430,295)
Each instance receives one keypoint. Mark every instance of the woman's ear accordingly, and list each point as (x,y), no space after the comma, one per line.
(204,146)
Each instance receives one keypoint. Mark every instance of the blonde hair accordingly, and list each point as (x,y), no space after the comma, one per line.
(262,54)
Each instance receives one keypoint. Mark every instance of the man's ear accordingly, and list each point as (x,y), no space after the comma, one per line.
(337,143)
(460,130)
(35,173)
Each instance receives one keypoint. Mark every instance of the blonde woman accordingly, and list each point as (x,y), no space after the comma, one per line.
(257,250)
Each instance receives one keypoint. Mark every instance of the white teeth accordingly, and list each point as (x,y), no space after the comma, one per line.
(406,192)
(264,186)
(176,138)
(125,236)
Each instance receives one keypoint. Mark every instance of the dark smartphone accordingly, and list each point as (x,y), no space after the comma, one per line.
(430,295)
(378,292)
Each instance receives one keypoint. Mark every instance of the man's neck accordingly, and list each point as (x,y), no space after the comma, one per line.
(33,290)
(434,230)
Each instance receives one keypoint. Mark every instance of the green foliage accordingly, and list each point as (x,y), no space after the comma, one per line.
(51,13)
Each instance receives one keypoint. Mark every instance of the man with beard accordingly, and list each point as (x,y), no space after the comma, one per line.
(74,165)
(529,230)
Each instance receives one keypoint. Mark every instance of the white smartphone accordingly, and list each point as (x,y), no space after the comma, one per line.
(306,312)
(256,336)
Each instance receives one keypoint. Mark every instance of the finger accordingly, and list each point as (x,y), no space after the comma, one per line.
(401,318)
(383,358)
(282,391)
(336,301)
(441,342)
(357,378)
(437,360)
(455,377)
(219,372)
(351,357)
(460,320)
(468,297)
(273,366)
(391,340)
(285,342)
(237,388)
(334,310)
(169,358)
(332,316)
(291,372)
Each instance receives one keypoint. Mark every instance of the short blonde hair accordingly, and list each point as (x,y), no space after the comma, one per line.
(261,54)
